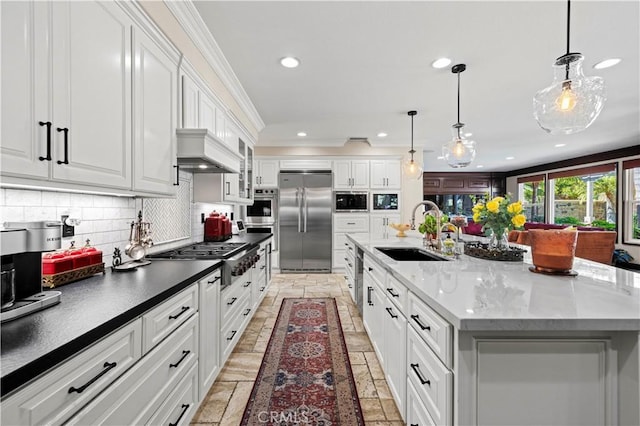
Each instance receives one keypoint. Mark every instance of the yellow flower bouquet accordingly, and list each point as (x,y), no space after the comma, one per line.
(499,215)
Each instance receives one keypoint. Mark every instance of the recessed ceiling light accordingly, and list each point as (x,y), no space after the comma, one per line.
(289,62)
(466,135)
(441,158)
(479,166)
(382,135)
(607,63)
(202,166)
(441,63)
(302,134)
(559,145)
(509,158)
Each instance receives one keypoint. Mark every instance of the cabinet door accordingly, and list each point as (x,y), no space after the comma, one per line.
(92,93)
(378,174)
(231,185)
(360,174)
(221,125)
(206,113)
(395,346)
(378,227)
(342,174)
(25,88)
(394,174)
(155,101)
(208,360)
(189,103)
(268,173)
(377,324)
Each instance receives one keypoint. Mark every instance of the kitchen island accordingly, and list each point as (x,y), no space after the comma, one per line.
(489,342)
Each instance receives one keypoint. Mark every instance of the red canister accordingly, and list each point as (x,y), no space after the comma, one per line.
(55,263)
(213,228)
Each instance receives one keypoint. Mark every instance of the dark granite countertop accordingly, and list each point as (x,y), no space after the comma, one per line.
(89,310)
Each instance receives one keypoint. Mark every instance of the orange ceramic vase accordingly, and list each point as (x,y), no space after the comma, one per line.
(553,251)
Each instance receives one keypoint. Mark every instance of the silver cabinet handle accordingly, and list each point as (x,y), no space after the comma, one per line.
(391,292)
(391,313)
(228,188)
(369,290)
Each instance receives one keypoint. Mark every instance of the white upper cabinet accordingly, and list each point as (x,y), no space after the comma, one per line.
(386,174)
(71,71)
(206,113)
(189,103)
(266,173)
(351,174)
(24,93)
(91,84)
(155,115)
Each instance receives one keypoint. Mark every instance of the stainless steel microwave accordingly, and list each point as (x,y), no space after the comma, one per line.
(384,201)
(350,202)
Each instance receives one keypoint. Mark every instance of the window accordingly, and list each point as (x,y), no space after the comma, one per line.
(631,214)
(531,194)
(585,196)
(455,204)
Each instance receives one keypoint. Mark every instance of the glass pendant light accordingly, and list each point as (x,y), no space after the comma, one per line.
(459,151)
(412,169)
(573,101)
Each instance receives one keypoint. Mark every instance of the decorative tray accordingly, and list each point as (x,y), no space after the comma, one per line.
(55,280)
(482,251)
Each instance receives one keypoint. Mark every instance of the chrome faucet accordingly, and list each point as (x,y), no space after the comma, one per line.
(438,212)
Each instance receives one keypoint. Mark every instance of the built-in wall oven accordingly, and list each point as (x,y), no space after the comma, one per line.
(262,216)
(264,208)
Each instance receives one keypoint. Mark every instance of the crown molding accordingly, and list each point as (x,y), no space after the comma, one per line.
(193,25)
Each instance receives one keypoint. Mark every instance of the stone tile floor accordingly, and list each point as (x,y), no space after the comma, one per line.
(225,402)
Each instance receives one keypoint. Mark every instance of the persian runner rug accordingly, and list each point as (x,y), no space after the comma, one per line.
(305,377)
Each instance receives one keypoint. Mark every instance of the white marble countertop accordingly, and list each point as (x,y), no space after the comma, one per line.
(484,295)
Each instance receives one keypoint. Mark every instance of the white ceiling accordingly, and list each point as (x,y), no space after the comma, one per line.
(364,64)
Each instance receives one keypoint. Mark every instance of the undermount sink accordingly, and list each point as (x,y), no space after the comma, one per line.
(409,254)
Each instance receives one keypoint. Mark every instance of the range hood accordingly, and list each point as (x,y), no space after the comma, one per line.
(200,151)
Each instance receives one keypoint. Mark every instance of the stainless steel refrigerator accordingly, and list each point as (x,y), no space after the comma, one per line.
(305,221)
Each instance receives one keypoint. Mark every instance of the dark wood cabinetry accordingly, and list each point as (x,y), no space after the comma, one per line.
(464,183)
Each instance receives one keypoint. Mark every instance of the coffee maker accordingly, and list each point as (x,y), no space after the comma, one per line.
(21,247)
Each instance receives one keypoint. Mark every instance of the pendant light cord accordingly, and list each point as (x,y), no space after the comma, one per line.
(566,76)
(458,97)
(412,150)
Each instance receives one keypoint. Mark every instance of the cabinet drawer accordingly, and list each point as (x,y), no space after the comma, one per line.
(376,271)
(349,222)
(417,413)
(397,293)
(181,405)
(435,331)
(431,379)
(230,333)
(51,399)
(230,299)
(165,318)
(140,391)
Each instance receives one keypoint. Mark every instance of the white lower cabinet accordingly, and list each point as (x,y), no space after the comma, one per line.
(417,414)
(380,229)
(209,357)
(395,343)
(182,403)
(55,397)
(136,396)
(432,380)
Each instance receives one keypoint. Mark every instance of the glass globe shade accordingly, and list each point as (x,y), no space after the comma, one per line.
(459,151)
(412,169)
(573,101)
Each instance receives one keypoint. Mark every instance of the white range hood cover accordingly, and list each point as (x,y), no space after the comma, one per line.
(199,147)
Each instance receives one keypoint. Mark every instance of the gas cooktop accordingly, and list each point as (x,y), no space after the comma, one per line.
(203,250)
